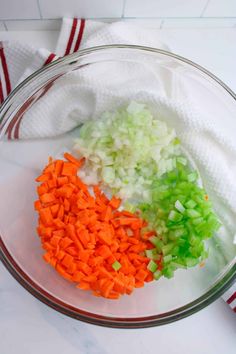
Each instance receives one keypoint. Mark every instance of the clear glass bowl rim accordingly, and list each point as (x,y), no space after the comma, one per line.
(215,292)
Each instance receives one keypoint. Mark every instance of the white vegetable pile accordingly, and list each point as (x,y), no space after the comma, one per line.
(126,150)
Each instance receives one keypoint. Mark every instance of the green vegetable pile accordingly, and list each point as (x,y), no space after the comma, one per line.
(139,158)
(183,217)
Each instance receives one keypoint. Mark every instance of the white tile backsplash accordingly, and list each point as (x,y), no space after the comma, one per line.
(33,25)
(199,23)
(81,8)
(164,8)
(19,9)
(220,8)
(24,15)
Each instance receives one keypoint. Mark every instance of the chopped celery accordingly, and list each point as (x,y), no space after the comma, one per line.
(116,265)
(193,213)
(182,160)
(152,254)
(167,258)
(174,216)
(152,266)
(191,262)
(190,204)
(167,248)
(156,242)
(192,177)
(179,206)
(157,274)
(182,230)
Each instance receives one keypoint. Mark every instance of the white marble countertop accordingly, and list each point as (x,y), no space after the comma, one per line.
(30,327)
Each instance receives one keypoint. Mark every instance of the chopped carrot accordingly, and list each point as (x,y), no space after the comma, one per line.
(115,202)
(72,159)
(84,234)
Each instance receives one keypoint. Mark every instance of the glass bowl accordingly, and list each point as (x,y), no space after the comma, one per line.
(158,302)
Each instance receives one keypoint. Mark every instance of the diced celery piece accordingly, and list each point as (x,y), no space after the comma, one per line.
(167,258)
(198,221)
(178,265)
(179,206)
(157,274)
(151,253)
(192,213)
(167,248)
(116,265)
(191,262)
(156,242)
(190,204)
(168,272)
(175,216)
(192,177)
(152,266)
(130,207)
(182,160)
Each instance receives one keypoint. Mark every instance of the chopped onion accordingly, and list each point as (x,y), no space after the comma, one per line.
(127,150)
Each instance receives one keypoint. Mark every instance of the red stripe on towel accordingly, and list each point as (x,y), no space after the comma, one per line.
(1,92)
(72,34)
(80,35)
(5,70)
(49,59)
(232,298)
(18,115)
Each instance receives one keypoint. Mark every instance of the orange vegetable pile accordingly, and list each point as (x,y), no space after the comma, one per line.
(85,237)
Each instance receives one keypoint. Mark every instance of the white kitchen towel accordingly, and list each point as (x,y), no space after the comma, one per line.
(211,143)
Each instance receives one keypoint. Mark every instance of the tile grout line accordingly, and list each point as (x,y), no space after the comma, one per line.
(123,9)
(204,8)
(39,8)
(128,18)
(5,25)
(162,23)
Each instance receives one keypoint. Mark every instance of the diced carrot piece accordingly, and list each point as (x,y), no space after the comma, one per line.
(65,242)
(104,251)
(44,177)
(37,205)
(61,254)
(115,202)
(78,276)
(47,198)
(84,255)
(60,214)
(58,167)
(84,268)
(47,257)
(84,285)
(107,287)
(72,251)
(113,295)
(69,169)
(54,210)
(71,269)
(42,189)
(72,159)
(46,216)
(67,260)
(59,224)
(63,272)
(139,284)
(141,275)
